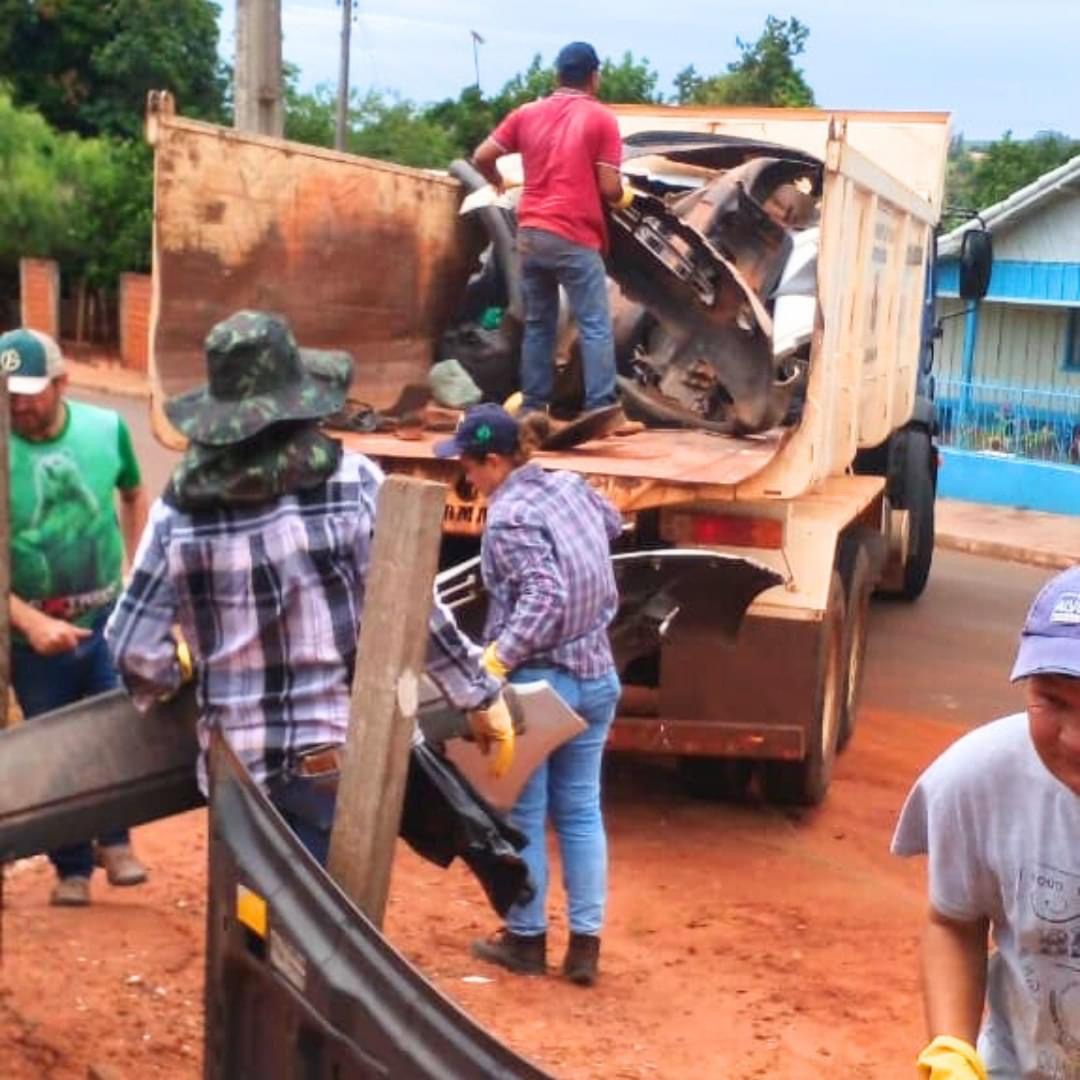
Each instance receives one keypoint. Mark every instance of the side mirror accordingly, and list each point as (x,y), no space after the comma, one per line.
(976,262)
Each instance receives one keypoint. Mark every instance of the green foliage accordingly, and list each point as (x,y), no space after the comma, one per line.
(87,65)
(978,178)
(86,202)
(764,74)
(396,130)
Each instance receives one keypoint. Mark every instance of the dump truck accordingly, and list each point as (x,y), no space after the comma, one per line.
(832,494)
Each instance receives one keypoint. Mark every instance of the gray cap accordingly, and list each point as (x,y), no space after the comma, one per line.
(1050,640)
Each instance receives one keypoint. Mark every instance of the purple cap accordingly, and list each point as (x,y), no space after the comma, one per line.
(484,429)
(1050,640)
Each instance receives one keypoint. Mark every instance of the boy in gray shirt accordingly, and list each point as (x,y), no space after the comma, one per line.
(999,816)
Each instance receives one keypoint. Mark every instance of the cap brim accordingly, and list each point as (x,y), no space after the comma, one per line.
(448,448)
(1046,656)
(28,384)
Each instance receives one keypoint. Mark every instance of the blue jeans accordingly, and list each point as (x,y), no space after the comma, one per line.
(566,787)
(548,261)
(43,683)
(307,803)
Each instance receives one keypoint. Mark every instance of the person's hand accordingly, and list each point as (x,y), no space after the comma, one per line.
(493,665)
(493,730)
(947,1058)
(626,199)
(51,637)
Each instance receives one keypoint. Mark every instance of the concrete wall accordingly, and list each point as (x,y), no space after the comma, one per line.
(39,295)
(1002,480)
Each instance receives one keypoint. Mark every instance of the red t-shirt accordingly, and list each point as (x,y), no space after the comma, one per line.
(562,139)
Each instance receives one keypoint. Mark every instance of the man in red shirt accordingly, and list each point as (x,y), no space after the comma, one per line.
(571,152)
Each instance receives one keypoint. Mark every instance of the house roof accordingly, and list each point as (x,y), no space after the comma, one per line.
(1065,178)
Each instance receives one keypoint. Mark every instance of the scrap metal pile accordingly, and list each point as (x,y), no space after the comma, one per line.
(712,279)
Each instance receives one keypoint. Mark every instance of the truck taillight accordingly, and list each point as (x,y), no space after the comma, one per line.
(730,530)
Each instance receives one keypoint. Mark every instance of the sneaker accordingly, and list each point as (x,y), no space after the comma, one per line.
(71,892)
(121,866)
(520,953)
(582,959)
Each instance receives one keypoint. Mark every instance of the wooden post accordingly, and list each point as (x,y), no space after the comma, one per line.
(5,557)
(390,660)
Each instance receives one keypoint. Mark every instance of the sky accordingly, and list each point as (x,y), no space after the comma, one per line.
(996,65)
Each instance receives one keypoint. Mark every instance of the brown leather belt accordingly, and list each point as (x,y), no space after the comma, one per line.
(318,762)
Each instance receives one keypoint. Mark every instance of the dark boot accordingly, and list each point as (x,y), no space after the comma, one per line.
(582,958)
(524,955)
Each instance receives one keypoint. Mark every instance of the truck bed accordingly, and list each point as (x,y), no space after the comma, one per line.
(676,457)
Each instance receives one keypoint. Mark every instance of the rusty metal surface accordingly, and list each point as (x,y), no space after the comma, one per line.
(663,735)
(672,457)
(358,254)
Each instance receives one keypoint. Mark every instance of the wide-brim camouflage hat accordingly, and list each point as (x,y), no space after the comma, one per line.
(258,377)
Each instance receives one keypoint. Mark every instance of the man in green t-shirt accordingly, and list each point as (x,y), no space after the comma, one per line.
(67,560)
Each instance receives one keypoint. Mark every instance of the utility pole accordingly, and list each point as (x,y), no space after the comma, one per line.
(258,104)
(343,76)
(477,41)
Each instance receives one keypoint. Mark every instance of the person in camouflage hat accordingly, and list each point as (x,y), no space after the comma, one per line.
(258,551)
(258,376)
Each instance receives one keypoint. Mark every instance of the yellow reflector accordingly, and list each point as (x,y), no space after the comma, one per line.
(251,910)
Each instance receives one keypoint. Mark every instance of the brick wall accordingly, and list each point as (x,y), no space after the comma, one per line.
(39,295)
(135,294)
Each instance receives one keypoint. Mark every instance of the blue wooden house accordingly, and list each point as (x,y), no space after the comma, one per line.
(1008,366)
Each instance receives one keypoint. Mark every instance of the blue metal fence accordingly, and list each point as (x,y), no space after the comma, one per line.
(1039,425)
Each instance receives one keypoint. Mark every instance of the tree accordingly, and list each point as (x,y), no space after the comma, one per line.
(87,65)
(764,74)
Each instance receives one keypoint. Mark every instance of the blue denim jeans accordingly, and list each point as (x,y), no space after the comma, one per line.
(548,261)
(44,683)
(566,788)
(307,803)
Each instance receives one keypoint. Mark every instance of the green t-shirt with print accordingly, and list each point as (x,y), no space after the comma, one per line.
(65,536)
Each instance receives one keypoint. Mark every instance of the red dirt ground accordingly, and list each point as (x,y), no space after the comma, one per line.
(743,942)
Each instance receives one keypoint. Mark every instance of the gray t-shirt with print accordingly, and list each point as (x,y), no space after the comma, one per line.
(1003,836)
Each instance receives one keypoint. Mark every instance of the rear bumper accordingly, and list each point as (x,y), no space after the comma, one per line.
(703,738)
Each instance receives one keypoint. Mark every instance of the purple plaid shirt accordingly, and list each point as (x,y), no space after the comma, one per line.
(270,601)
(546,562)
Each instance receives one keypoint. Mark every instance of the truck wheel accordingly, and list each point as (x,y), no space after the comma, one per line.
(716,779)
(916,495)
(804,783)
(859,578)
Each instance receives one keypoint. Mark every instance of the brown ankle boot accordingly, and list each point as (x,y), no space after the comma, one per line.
(520,953)
(582,958)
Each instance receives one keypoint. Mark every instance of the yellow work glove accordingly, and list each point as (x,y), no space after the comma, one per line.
(493,665)
(626,199)
(493,729)
(183,658)
(947,1058)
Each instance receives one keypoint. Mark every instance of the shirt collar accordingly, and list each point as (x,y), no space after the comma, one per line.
(523,474)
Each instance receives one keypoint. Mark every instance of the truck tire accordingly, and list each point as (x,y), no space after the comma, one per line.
(804,783)
(858,577)
(917,483)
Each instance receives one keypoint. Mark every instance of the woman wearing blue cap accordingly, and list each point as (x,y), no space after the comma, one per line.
(546,565)
(998,814)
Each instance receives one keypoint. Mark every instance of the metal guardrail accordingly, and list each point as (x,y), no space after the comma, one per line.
(1038,425)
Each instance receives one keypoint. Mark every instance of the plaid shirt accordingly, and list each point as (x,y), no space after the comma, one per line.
(270,600)
(546,562)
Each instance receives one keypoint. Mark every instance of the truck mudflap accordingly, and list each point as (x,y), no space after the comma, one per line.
(298,982)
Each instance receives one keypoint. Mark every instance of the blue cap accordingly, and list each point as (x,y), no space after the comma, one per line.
(577,60)
(1050,640)
(484,429)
